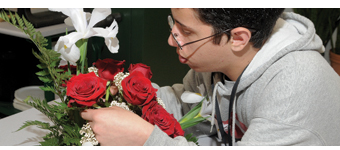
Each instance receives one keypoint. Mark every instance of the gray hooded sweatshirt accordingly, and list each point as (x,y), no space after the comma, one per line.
(288,95)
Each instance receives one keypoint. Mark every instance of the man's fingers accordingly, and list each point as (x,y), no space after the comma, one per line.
(87,114)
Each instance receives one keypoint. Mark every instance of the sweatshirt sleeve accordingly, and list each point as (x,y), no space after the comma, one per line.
(270,132)
(159,138)
(171,97)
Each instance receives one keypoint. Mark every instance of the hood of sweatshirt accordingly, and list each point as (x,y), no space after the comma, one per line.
(292,32)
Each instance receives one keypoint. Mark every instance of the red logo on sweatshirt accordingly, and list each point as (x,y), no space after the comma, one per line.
(240,128)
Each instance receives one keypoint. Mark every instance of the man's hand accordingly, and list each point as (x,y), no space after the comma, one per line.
(116,126)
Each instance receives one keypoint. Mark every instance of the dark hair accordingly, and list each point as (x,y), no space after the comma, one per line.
(260,19)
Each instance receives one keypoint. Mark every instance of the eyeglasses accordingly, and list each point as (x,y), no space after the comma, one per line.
(171,23)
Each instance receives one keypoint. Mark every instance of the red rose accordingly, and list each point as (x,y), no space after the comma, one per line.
(157,115)
(137,89)
(85,89)
(142,68)
(108,68)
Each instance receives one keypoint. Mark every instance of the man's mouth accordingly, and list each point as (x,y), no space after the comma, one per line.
(181,58)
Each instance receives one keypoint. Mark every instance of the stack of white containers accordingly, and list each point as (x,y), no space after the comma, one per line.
(22,93)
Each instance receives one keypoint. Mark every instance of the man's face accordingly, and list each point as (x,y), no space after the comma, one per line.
(202,56)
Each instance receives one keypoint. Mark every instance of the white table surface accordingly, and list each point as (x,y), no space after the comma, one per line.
(7,28)
(28,136)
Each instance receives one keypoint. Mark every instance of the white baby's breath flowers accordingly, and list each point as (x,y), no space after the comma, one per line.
(119,78)
(89,136)
(160,102)
(93,69)
(121,105)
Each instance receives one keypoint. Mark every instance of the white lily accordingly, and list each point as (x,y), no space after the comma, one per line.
(191,97)
(66,44)
(67,48)
(109,34)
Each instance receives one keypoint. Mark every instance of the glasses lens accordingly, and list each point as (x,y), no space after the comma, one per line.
(170,21)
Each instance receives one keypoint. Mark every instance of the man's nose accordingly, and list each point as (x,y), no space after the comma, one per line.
(171,41)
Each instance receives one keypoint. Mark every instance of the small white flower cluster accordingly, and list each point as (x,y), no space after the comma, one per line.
(118,79)
(93,69)
(160,102)
(121,105)
(89,135)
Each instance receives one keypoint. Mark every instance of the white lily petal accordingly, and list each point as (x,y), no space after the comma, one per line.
(88,34)
(71,54)
(88,16)
(59,45)
(206,109)
(65,11)
(67,48)
(191,97)
(68,20)
(101,32)
(112,44)
(114,25)
(98,14)
(113,29)
(72,37)
(78,17)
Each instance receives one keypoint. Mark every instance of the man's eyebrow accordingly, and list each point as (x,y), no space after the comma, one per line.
(183,25)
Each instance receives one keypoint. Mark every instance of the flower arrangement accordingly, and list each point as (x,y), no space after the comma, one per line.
(80,87)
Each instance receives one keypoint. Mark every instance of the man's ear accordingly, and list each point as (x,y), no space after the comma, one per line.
(240,37)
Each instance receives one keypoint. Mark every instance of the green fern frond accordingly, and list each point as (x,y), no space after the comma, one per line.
(42,125)
(51,139)
(71,135)
(47,88)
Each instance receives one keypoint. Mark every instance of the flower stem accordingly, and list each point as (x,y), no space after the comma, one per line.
(82,45)
(84,56)
(107,90)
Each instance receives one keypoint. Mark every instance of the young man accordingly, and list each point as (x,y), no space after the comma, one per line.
(285,93)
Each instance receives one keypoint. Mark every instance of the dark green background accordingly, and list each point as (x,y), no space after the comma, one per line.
(142,35)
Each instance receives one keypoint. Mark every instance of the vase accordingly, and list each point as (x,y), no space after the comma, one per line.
(335,61)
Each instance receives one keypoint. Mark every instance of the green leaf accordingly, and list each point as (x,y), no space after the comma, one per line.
(12,18)
(42,73)
(45,79)
(60,115)
(20,22)
(190,115)
(41,66)
(192,122)
(191,138)
(54,64)
(51,141)
(47,88)
(193,112)
(27,99)
(59,70)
